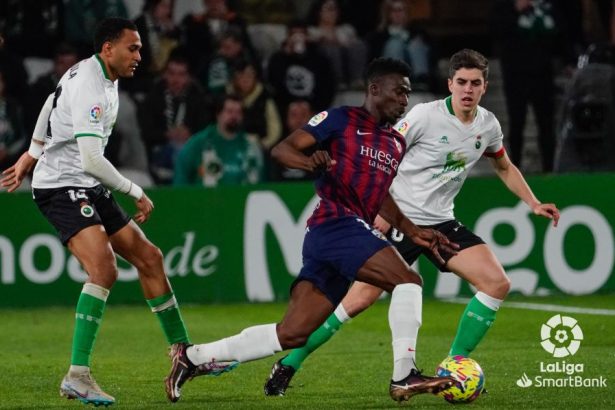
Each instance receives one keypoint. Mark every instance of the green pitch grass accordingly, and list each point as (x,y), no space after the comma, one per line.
(350,372)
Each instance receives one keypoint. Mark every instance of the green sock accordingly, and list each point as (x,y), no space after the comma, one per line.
(316,339)
(167,310)
(473,325)
(88,316)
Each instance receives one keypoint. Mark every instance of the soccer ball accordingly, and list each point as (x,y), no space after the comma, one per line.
(469,375)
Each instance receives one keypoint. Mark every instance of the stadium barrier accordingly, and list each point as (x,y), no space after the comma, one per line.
(244,244)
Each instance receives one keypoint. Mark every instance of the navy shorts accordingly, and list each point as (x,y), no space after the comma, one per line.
(454,230)
(334,251)
(71,209)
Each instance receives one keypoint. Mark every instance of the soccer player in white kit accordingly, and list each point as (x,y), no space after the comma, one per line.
(71,186)
(445,138)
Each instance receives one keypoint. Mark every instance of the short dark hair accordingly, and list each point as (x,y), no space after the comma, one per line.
(468,58)
(220,101)
(110,29)
(384,66)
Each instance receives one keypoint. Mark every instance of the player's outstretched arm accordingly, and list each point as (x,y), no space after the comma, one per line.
(516,183)
(289,152)
(13,176)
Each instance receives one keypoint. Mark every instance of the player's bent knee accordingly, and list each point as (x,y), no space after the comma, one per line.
(411,276)
(150,259)
(291,339)
(504,286)
(497,288)
(103,275)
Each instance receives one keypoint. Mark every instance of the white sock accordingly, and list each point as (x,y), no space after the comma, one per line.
(341,314)
(489,301)
(76,369)
(252,343)
(405,312)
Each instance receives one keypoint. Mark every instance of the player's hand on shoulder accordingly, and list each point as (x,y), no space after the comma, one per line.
(13,176)
(548,211)
(145,206)
(320,161)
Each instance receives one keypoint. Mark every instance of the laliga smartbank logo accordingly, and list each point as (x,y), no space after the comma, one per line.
(561,336)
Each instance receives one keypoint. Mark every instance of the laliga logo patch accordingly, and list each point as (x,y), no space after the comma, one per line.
(95,114)
(318,118)
(561,336)
(87,210)
(402,127)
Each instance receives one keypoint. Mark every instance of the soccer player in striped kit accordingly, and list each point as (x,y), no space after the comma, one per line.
(445,139)
(358,155)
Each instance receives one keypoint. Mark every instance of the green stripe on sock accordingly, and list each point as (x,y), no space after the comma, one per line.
(320,336)
(473,325)
(170,319)
(88,316)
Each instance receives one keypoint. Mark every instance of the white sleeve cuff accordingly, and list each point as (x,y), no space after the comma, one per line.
(35,150)
(135,191)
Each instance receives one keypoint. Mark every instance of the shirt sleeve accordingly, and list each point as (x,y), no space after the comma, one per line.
(411,126)
(325,124)
(495,149)
(87,107)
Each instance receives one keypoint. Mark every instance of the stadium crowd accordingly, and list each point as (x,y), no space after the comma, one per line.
(282,61)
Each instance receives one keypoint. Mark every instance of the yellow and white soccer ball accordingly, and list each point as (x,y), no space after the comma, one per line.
(469,376)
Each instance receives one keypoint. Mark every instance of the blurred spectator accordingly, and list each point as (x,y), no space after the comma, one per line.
(300,71)
(261,117)
(267,11)
(81,18)
(64,58)
(599,24)
(174,109)
(396,39)
(126,149)
(12,136)
(14,73)
(361,14)
(586,128)
(340,44)
(527,32)
(298,114)
(222,153)
(32,28)
(201,33)
(159,37)
(216,74)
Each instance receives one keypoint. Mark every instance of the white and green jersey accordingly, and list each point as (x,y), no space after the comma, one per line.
(85,104)
(440,152)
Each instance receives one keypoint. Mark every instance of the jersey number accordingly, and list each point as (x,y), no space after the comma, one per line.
(76,195)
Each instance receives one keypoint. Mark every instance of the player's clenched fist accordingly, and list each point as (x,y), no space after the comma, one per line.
(320,161)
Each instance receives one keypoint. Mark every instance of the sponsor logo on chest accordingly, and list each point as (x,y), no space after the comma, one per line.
(384,161)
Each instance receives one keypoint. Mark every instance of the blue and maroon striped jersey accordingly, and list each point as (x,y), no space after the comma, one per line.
(367,158)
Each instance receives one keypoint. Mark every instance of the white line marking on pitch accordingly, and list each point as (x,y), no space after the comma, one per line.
(544,307)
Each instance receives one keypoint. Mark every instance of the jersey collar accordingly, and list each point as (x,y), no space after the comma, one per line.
(449,106)
(102,65)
